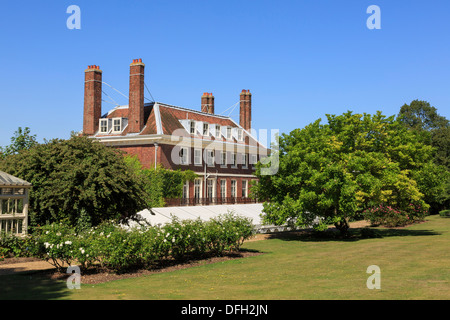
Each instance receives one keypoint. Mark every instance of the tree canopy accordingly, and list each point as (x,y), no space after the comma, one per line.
(74,178)
(421,117)
(330,173)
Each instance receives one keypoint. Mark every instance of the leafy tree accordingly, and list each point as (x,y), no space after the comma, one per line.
(421,117)
(434,129)
(335,171)
(160,183)
(22,140)
(76,180)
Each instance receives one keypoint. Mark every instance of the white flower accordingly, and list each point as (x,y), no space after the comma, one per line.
(173,239)
(46,244)
(68,242)
(47,232)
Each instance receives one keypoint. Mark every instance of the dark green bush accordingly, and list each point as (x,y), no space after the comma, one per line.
(445,213)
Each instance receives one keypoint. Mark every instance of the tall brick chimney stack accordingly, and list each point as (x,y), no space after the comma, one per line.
(136,97)
(245,112)
(208,103)
(92,99)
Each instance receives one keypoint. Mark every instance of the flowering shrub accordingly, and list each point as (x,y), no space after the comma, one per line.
(56,244)
(392,217)
(18,246)
(119,249)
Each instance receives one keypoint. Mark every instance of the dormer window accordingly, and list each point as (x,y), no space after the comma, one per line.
(229,133)
(205,129)
(240,135)
(217,131)
(117,124)
(192,127)
(104,125)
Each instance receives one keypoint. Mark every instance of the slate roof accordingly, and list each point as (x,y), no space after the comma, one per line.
(162,118)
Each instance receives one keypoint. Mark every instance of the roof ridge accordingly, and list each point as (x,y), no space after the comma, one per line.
(192,110)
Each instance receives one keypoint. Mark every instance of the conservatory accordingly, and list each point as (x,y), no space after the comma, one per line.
(13,204)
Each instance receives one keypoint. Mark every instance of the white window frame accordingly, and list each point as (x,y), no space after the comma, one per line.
(209,157)
(233,188)
(229,133)
(223,188)
(186,190)
(192,127)
(198,157)
(244,161)
(234,160)
(205,129)
(223,159)
(198,188)
(114,125)
(210,189)
(240,135)
(184,156)
(217,131)
(101,121)
(244,190)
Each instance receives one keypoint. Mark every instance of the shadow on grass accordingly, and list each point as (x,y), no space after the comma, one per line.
(355,234)
(31,286)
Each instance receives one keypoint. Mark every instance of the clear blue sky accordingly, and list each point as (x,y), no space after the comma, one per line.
(300,59)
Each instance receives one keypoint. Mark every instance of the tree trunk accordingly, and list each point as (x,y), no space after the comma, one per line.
(343,226)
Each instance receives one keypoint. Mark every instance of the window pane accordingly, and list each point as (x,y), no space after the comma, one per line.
(233,188)
(19,205)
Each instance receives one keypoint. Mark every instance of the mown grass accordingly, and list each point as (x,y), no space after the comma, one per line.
(414,264)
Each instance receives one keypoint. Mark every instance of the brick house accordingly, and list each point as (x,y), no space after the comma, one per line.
(220,151)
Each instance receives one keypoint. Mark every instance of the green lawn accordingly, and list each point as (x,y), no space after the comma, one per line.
(414,264)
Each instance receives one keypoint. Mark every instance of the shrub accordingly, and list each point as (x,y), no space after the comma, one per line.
(444,213)
(392,217)
(56,244)
(118,249)
(16,246)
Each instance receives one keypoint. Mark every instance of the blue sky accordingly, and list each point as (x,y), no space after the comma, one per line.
(300,59)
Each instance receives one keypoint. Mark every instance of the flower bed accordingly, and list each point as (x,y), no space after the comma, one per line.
(117,249)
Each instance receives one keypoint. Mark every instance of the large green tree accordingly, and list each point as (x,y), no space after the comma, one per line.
(434,129)
(332,172)
(424,119)
(76,178)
